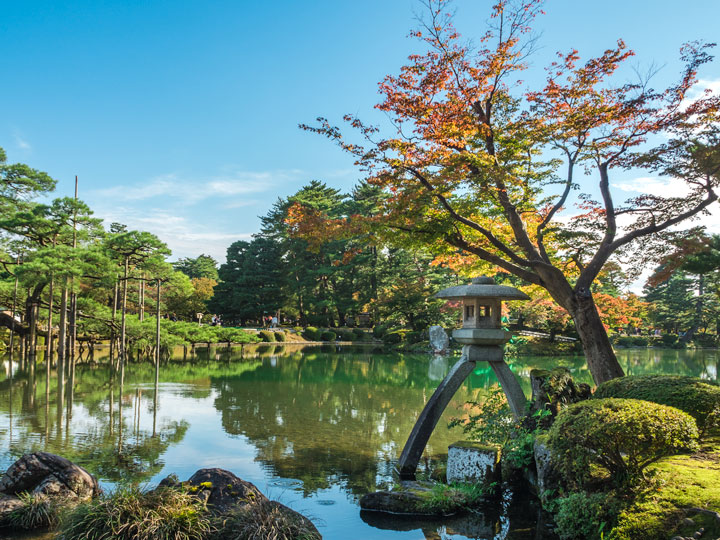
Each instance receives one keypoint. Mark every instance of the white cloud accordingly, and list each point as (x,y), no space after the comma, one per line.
(184,237)
(21,143)
(191,191)
(700,88)
(667,187)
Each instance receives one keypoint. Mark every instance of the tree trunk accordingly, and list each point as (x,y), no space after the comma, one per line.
(123,311)
(49,339)
(62,334)
(599,354)
(141,297)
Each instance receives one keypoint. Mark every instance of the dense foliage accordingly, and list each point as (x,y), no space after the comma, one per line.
(700,399)
(620,436)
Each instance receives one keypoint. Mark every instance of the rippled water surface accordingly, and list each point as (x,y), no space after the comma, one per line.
(315,428)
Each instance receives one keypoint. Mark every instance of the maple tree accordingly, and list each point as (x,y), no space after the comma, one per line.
(477,165)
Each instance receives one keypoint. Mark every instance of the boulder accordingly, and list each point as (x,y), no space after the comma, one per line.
(552,390)
(50,475)
(222,490)
(57,479)
(548,476)
(241,503)
(472,462)
(439,340)
(393,502)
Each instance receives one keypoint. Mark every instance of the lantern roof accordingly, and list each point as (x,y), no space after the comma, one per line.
(482,287)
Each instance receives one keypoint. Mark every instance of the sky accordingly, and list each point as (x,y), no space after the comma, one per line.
(181,117)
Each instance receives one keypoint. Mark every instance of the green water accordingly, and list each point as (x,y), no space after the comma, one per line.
(315,428)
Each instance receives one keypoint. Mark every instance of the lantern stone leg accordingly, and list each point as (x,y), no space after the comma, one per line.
(428,419)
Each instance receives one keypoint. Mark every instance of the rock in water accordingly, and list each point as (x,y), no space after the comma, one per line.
(243,506)
(439,340)
(50,475)
(222,490)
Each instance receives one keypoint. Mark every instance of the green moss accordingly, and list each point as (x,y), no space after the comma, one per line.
(679,484)
(476,446)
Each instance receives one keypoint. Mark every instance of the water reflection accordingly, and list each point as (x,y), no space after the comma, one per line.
(323,425)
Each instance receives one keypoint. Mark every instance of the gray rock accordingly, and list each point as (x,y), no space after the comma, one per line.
(394,502)
(472,462)
(8,503)
(548,476)
(222,490)
(50,475)
(439,340)
(224,493)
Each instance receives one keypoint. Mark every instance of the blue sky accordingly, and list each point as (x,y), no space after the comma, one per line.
(180,117)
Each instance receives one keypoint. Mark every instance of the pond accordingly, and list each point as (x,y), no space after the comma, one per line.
(315,428)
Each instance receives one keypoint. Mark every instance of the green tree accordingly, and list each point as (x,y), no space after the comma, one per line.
(251,281)
(203,266)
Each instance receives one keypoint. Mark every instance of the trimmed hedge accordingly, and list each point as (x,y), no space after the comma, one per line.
(379,331)
(267,336)
(698,398)
(279,336)
(394,337)
(311,334)
(328,336)
(359,334)
(346,335)
(622,436)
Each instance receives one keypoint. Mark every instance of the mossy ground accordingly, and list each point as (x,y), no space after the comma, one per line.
(679,484)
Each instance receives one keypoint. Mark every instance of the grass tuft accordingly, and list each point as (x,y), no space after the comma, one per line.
(130,514)
(265,521)
(36,512)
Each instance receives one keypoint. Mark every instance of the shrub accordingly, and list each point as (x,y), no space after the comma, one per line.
(267,336)
(327,336)
(583,516)
(266,520)
(705,340)
(394,337)
(698,398)
(130,514)
(36,512)
(345,335)
(413,337)
(669,339)
(359,334)
(298,329)
(279,336)
(311,334)
(622,436)
(379,331)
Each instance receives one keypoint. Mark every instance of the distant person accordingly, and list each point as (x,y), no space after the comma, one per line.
(274,322)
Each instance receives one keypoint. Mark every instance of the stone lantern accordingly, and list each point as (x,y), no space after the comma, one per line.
(483,339)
